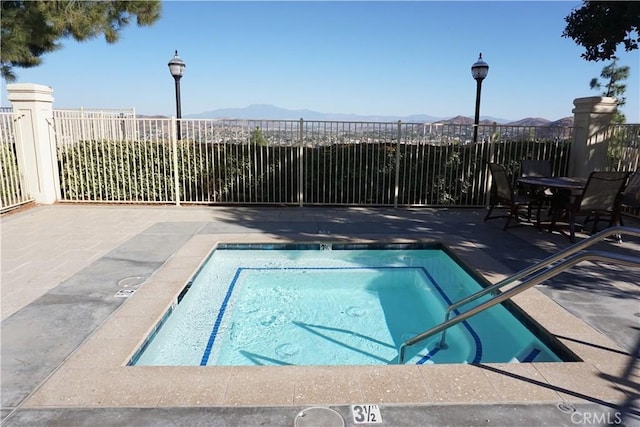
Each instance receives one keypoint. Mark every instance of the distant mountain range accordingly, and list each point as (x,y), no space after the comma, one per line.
(529,121)
(271,112)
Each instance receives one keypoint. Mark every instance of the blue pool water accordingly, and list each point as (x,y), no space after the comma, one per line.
(332,307)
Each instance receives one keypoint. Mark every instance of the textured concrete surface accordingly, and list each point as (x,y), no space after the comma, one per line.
(410,416)
(62,265)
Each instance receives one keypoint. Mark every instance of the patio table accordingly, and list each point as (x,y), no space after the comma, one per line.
(562,187)
(554,183)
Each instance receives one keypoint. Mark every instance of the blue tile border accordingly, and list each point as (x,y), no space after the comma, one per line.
(532,356)
(333,246)
(216,325)
(478,356)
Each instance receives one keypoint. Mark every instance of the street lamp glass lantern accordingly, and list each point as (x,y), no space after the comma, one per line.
(480,69)
(176,66)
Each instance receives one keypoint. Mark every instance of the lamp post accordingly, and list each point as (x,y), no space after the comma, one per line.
(176,68)
(479,71)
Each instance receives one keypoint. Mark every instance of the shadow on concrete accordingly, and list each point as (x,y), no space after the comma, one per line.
(622,407)
(628,381)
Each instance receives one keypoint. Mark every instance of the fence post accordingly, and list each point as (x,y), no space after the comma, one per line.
(301,164)
(35,142)
(174,146)
(488,179)
(591,117)
(492,143)
(397,189)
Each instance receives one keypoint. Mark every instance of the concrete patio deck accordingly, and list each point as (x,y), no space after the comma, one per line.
(65,336)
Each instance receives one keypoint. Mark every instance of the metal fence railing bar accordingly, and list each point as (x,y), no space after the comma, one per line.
(289,162)
(12,187)
(114,156)
(122,160)
(95,113)
(623,151)
(115,124)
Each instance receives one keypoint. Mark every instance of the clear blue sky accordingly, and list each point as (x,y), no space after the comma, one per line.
(381,58)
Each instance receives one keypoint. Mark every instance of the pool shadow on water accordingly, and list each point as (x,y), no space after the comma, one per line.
(260,360)
(405,312)
(406,315)
(315,329)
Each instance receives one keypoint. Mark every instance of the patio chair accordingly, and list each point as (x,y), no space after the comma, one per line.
(502,194)
(599,200)
(630,198)
(530,167)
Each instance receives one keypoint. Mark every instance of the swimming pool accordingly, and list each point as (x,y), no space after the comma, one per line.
(335,304)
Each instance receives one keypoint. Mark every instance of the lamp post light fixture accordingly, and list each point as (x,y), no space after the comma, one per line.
(479,71)
(176,68)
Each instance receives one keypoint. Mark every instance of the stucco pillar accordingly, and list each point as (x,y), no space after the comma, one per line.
(591,117)
(35,140)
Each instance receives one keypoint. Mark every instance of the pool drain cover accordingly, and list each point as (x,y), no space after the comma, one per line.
(124,293)
(319,417)
(567,408)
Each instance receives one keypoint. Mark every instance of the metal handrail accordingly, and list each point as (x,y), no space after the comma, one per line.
(613,231)
(569,256)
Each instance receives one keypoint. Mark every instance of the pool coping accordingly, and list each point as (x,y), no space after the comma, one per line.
(97,375)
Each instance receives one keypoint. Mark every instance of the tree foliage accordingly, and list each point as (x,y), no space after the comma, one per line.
(31,29)
(600,26)
(612,85)
(257,137)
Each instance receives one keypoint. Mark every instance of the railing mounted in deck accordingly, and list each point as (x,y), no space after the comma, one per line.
(290,162)
(116,157)
(12,185)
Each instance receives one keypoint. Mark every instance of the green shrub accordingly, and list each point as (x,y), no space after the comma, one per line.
(11,189)
(144,171)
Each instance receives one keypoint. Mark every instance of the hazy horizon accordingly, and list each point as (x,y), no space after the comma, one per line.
(269,111)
